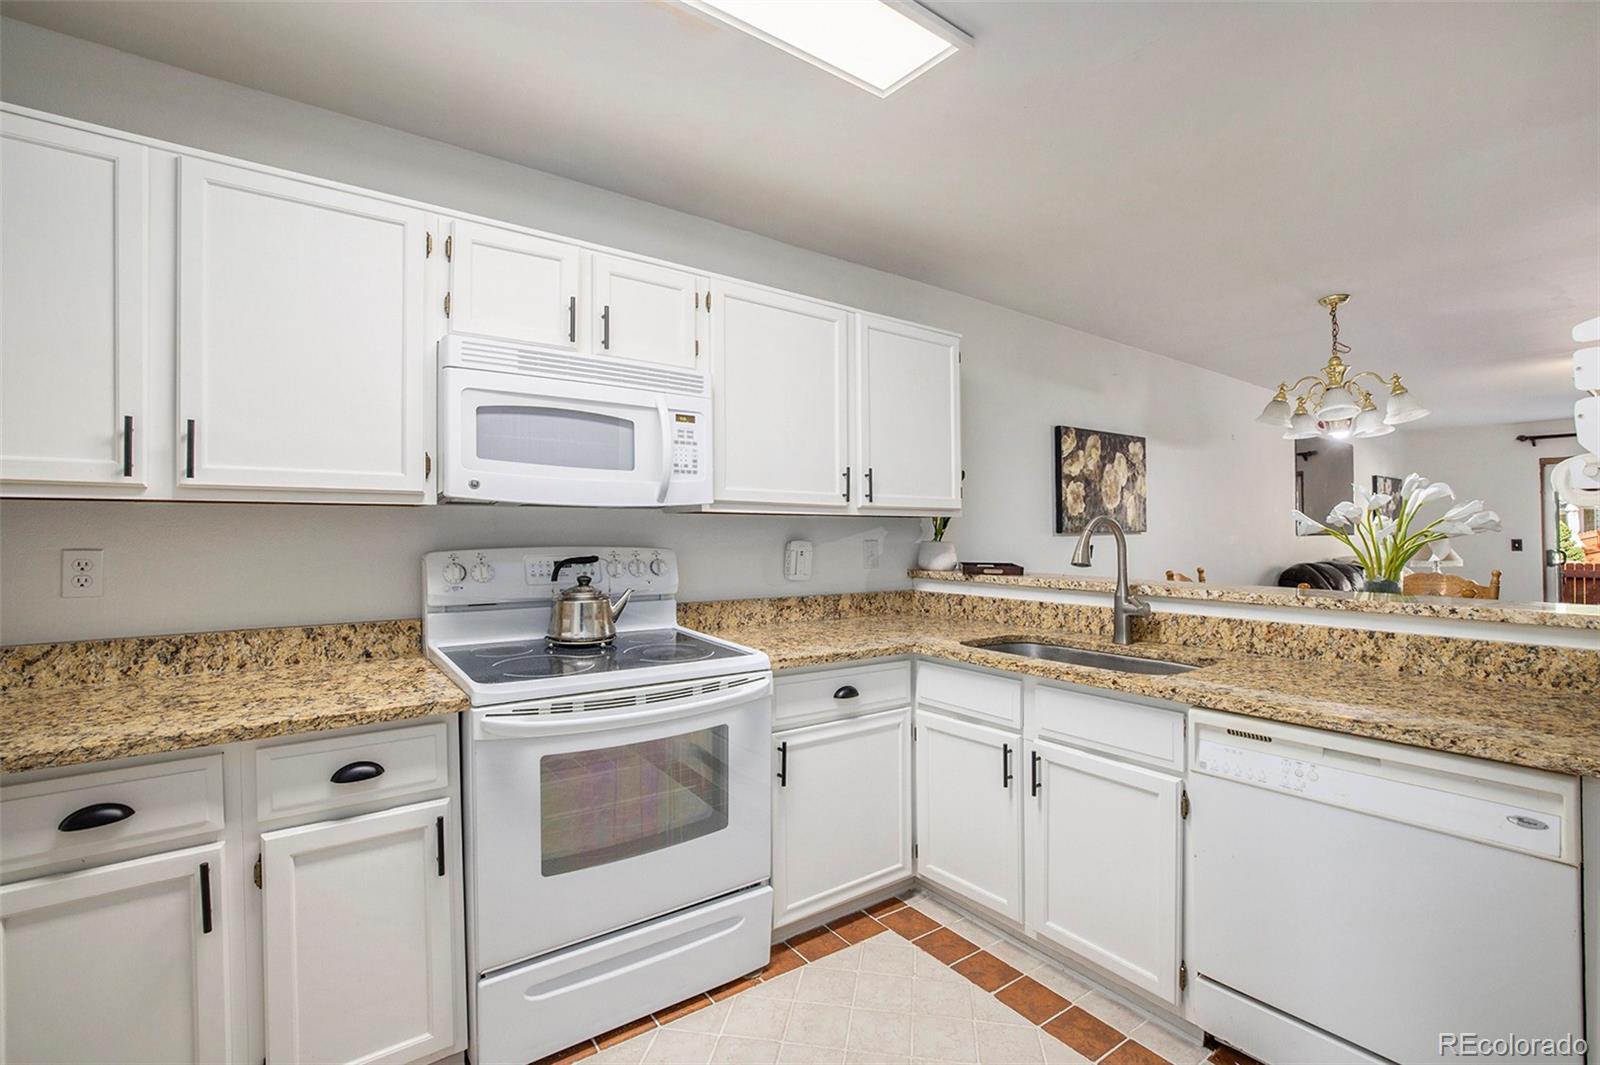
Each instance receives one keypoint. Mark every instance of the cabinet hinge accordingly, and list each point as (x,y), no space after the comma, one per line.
(913,734)
(449,245)
(447,304)
(697,301)
(256,875)
(697,349)
(913,850)
(427,465)
(428,247)
(708,301)
(1183,804)
(1183,976)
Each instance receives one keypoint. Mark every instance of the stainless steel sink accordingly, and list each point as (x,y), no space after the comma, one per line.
(1076,656)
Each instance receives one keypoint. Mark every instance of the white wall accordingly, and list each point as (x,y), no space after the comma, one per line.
(1481,462)
(1220,486)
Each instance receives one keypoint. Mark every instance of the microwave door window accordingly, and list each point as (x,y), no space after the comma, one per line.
(611,803)
(556,436)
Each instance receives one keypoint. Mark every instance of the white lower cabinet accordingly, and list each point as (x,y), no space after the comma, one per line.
(969,811)
(841,812)
(357,938)
(1104,863)
(124,963)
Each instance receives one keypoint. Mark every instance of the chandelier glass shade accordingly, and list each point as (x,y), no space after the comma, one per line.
(1331,402)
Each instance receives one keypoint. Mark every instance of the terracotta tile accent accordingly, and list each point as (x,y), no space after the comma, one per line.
(626,1032)
(1228,1056)
(782,960)
(572,1053)
(878,909)
(947,946)
(986,970)
(817,943)
(1131,1053)
(682,1009)
(909,923)
(1032,999)
(732,987)
(855,927)
(1084,1032)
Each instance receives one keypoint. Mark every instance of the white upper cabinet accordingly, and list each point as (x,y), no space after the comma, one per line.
(122,963)
(515,285)
(1104,863)
(646,312)
(357,938)
(908,388)
(302,363)
(969,811)
(779,386)
(74,214)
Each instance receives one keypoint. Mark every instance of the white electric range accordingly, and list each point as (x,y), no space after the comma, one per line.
(618,799)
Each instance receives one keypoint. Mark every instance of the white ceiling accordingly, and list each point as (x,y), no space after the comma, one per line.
(1186,178)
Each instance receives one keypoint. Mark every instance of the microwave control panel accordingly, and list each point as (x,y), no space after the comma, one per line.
(688,443)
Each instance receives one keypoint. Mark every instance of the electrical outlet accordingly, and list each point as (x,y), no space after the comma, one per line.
(871,553)
(83,573)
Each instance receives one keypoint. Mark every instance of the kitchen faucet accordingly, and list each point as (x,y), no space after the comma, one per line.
(1123,605)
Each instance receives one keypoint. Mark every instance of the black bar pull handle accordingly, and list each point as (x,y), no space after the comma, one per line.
(848,691)
(783,764)
(96,815)
(205,898)
(605,328)
(847,484)
(1005,765)
(869,484)
(188,449)
(572,320)
(1034,790)
(438,828)
(127,445)
(575,560)
(355,772)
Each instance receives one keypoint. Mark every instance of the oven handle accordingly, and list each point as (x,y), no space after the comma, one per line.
(529,726)
(666,449)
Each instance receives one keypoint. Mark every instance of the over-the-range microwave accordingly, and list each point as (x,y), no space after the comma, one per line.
(519,424)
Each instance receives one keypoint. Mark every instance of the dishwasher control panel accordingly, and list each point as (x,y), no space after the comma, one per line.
(1259,767)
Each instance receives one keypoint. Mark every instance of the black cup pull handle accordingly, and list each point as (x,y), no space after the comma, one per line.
(783,764)
(355,772)
(1005,765)
(846,692)
(97,815)
(1034,790)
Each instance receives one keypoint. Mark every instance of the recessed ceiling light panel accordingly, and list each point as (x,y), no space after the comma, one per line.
(878,45)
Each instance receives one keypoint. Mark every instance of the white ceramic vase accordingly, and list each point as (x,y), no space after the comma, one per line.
(936,555)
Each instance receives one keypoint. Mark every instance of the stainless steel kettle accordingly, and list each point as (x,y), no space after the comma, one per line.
(582,616)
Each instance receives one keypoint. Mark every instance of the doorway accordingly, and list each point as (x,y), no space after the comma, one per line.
(1571,544)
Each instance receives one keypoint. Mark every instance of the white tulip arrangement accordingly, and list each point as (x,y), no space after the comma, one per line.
(1384,545)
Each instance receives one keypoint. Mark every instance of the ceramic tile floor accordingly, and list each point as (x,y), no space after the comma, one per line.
(899,983)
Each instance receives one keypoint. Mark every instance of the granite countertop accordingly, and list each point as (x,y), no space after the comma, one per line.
(1556,615)
(1527,726)
(67,704)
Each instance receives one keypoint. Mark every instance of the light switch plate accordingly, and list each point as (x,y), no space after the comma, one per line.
(871,553)
(83,572)
(797,560)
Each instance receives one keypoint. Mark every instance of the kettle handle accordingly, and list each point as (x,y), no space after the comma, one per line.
(575,560)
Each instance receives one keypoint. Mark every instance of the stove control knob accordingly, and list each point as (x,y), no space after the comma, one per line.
(454,573)
(636,567)
(614,568)
(657,566)
(483,573)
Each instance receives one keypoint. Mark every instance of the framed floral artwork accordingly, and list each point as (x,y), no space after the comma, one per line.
(1099,473)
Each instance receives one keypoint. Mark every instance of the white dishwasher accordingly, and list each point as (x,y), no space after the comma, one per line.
(1353,901)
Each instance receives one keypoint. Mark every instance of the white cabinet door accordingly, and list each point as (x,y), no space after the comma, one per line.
(908,388)
(779,369)
(301,357)
(123,963)
(514,285)
(72,305)
(1104,863)
(358,944)
(646,312)
(841,812)
(969,811)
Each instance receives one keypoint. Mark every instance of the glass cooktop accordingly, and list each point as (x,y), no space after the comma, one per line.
(507,663)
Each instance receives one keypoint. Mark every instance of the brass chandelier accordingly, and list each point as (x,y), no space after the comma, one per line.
(1333,404)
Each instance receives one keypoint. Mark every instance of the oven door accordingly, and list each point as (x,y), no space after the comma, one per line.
(511,439)
(592,820)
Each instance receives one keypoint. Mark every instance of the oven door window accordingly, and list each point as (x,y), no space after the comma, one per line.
(555,436)
(604,805)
